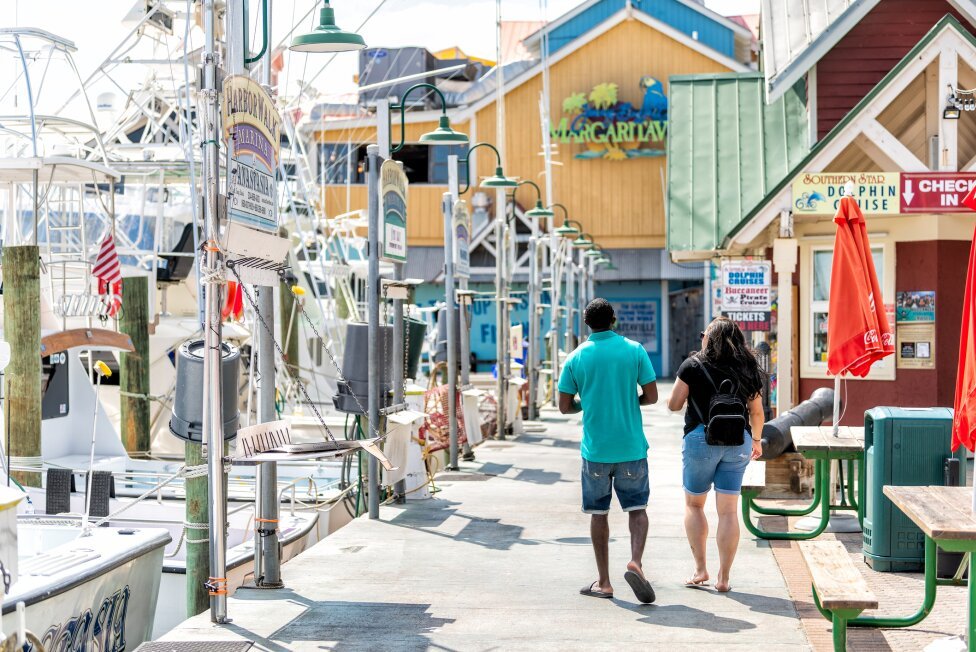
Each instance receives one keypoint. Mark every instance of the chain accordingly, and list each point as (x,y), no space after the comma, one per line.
(338,368)
(268,329)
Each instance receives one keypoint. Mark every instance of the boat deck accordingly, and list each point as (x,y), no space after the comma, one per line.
(496,559)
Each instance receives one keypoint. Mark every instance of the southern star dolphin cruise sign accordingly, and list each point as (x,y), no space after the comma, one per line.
(252,130)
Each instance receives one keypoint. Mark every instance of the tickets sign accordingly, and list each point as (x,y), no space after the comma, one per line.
(750,321)
(746,286)
(935,192)
(819,193)
(252,131)
(393,194)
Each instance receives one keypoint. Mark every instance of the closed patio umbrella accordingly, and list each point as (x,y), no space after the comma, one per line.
(858,333)
(964,414)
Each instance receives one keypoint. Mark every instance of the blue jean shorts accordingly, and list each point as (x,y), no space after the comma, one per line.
(627,479)
(705,465)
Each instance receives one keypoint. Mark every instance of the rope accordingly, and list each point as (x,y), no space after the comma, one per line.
(145,397)
(187,472)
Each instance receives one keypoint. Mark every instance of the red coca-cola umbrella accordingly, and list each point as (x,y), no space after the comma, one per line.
(858,333)
(964,420)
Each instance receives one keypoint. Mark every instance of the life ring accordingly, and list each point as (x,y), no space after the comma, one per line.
(112,296)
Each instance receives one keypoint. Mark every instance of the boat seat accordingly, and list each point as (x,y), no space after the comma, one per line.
(177,268)
(57,492)
(102,488)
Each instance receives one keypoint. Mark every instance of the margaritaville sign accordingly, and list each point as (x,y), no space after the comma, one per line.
(612,129)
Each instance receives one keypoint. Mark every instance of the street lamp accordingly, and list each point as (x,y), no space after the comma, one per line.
(567,230)
(583,240)
(595,251)
(539,211)
(497,181)
(327,37)
(443,135)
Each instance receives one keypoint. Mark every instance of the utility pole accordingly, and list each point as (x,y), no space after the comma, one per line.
(463,326)
(501,342)
(399,363)
(582,299)
(213,279)
(373,319)
(267,551)
(450,313)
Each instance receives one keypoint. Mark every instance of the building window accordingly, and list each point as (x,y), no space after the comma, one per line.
(340,163)
(819,260)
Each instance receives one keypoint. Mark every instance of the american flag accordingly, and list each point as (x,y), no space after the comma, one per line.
(107,267)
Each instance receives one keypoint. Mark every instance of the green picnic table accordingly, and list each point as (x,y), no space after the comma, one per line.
(819,444)
(945,516)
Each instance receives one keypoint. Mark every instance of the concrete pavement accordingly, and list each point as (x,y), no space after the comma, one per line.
(496,560)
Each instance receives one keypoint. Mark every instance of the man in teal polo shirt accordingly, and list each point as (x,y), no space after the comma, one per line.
(606,371)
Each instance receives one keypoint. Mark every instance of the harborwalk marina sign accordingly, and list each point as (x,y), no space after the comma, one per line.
(252,130)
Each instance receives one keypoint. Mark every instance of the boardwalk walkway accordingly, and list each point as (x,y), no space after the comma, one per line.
(496,560)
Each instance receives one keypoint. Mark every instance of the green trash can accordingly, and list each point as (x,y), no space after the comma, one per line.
(908,447)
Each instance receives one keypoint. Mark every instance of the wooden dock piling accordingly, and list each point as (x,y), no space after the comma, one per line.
(197,544)
(134,367)
(22,330)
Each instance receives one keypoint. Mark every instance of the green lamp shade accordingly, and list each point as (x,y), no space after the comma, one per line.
(327,37)
(538,211)
(593,253)
(444,135)
(566,230)
(602,261)
(581,242)
(499,180)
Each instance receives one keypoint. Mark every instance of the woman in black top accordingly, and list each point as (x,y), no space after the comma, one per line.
(724,356)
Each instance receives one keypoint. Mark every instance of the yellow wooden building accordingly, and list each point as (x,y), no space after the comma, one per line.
(609,63)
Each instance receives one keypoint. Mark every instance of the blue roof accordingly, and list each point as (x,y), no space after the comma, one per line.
(675,13)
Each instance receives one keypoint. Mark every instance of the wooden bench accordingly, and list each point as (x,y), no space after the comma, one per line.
(754,480)
(838,586)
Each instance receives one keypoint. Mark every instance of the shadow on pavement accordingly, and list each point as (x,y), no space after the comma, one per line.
(486,532)
(677,615)
(346,626)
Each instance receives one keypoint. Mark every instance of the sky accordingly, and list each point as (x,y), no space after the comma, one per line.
(434,24)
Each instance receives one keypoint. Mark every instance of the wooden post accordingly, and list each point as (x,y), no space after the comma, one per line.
(22,330)
(197,554)
(134,367)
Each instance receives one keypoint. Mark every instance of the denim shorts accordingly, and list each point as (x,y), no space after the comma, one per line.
(705,465)
(627,479)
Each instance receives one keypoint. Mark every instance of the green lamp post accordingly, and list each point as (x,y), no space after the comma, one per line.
(567,229)
(499,180)
(443,135)
(595,251)
(327,37)
(583,240)
(539,211)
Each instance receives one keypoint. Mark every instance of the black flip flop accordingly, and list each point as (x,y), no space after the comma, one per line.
(642,588)
(589,591)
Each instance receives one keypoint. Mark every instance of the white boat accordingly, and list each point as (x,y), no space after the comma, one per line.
(94,589)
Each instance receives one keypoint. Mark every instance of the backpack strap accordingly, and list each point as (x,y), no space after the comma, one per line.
(691,401)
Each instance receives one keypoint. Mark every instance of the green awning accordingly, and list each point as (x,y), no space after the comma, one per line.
(726,149)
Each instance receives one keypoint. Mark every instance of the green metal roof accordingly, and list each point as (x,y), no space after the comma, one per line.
(726,150)
(948,20)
